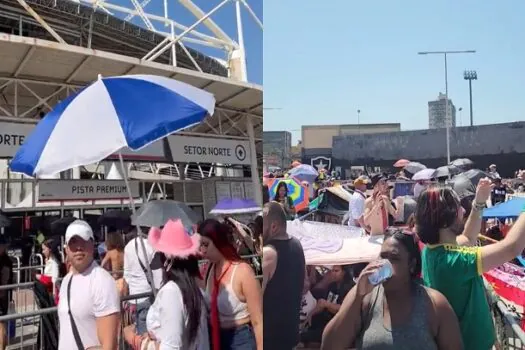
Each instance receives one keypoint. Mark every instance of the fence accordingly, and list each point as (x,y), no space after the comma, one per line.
(28,323)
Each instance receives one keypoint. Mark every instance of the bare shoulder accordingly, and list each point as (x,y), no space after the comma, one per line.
(269,253)
(439,301)
(245,269)
(369,201)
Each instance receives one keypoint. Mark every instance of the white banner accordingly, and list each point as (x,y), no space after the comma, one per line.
(62,190)
(188,149)
(12,136)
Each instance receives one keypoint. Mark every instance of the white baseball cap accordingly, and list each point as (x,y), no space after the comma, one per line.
(79,228)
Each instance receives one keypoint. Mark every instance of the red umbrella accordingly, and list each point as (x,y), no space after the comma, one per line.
(401,163)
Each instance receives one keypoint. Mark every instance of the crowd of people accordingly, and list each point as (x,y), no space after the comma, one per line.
(434,296)
(188,291)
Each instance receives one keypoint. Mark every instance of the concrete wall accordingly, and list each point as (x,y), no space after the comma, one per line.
(489,143)
(320,136)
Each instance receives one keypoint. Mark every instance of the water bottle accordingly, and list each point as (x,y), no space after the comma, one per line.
(11,327)
(382,273)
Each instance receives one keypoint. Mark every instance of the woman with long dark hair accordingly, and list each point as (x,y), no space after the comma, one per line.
(397,312)
(53,266)
(281,196)
(178,317)
(235,294)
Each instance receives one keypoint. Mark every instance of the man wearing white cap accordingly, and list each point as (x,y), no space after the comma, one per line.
(89,306)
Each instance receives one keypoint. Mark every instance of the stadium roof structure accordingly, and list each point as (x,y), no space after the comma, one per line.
(52,48)
(64,45)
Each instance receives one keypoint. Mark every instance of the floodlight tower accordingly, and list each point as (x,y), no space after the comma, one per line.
(470,75)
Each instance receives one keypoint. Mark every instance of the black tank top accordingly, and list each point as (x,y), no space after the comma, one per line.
(283,295)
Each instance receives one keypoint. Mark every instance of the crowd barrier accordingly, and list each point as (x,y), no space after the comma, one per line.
(25,321)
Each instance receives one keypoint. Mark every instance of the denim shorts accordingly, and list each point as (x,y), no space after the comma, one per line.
(140,318)
(238,338)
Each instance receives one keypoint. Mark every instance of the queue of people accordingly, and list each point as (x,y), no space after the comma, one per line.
(433,298)
(181,306)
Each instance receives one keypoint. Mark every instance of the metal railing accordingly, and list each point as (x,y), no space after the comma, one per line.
(24,321)
(509,332)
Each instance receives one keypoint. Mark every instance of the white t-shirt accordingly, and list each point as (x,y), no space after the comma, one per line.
(93,294)
(356,207)
(134,274)
(167,319)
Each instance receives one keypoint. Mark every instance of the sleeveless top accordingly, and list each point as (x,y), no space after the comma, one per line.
(229,305)
(414,334)
(283,295)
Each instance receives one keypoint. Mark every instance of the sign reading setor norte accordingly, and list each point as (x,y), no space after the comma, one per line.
(12,136)
(71,190)
(188,149)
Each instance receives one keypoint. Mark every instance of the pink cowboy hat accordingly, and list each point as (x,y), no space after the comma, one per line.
(173,240)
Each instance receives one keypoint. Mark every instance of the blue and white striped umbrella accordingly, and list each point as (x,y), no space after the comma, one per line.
(110,114)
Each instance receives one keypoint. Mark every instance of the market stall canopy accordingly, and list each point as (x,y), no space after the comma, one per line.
(509,209)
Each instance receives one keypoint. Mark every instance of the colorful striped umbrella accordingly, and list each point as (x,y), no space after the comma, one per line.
(297,192)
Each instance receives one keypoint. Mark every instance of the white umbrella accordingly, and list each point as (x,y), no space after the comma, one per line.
(425,174)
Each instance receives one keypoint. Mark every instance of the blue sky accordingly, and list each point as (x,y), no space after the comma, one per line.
(225,19)
(323,60)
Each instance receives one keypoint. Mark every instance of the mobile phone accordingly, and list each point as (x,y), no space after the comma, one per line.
(383,273)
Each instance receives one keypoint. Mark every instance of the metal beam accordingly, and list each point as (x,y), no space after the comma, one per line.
(77,69)
(163,20)
(208,22)
(24,61)
(41,21)
(190,28)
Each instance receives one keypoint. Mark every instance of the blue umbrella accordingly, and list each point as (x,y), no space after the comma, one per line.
(509,209)
(235,206)
(108,115)
(304,172)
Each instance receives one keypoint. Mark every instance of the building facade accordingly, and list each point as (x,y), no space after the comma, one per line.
(277,148)
(429,147)
(436,113)
(317,142)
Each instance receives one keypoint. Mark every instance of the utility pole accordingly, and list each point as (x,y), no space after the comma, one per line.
(470,75)
(445,53)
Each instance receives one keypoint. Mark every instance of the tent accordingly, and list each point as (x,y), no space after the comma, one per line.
(509,209)
(332,201)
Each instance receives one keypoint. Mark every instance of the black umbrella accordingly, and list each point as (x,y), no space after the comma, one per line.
(156,213)
(59,227)
(4,221)
(475,175)
(409,207)
(118,219)
(414,167)
(463,185)
(447,170)
(463,163)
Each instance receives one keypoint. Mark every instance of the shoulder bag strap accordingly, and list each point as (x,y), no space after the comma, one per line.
(140,261)
(76,335)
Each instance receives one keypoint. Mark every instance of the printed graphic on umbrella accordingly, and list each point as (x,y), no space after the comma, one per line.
(297,192)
